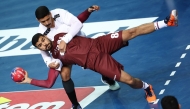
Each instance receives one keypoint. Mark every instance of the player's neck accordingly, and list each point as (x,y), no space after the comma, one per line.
(53,24)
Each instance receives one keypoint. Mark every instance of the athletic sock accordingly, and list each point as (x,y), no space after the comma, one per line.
(159,25)
(145,85)
(69,89)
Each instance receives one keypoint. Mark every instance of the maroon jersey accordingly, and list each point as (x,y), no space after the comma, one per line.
(73,54)
(94,54)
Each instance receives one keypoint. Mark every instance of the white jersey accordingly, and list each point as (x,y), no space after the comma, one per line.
(64,22)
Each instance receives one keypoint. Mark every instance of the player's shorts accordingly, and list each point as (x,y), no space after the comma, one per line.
(110,43)
(107,66)
(99,58)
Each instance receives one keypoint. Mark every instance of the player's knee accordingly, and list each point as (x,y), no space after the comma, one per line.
(130,81)
(129,34)
(65,75)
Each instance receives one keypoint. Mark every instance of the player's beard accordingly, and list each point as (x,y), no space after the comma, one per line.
(51,45)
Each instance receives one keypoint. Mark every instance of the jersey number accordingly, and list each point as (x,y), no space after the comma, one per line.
(114,35)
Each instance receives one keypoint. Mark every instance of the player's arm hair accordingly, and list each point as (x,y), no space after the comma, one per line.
(84,16)
(49,82)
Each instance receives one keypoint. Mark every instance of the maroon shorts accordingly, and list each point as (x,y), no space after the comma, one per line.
(100,59)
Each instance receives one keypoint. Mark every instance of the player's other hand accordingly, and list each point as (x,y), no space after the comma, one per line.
(54,65)
(26,79)
(62,46)
(93,8)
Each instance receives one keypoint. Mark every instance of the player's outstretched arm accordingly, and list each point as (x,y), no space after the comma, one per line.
(48,83)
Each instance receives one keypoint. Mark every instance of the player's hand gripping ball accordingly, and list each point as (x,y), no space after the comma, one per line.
(18,74)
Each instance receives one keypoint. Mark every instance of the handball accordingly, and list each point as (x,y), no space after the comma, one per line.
(18,74)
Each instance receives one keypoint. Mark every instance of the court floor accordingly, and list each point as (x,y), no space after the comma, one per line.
(160,58)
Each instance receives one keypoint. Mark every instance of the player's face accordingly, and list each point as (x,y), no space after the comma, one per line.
(47,21)
(44,43)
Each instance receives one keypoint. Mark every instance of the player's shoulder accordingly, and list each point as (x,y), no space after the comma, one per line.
(57,11)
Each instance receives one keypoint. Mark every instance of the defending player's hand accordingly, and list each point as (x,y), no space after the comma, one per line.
(93,8)
(54,65)
(26,79)
(62,46)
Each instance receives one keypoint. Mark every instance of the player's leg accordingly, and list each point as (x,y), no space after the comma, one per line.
(108,66)
(138,84)
(69,85)
(150,27)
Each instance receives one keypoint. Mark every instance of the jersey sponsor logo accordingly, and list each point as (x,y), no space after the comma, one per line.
(15,42)
(48,99)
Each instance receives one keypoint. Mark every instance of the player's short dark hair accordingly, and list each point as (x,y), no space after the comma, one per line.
(35,38)
(41,12)
(169,102)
